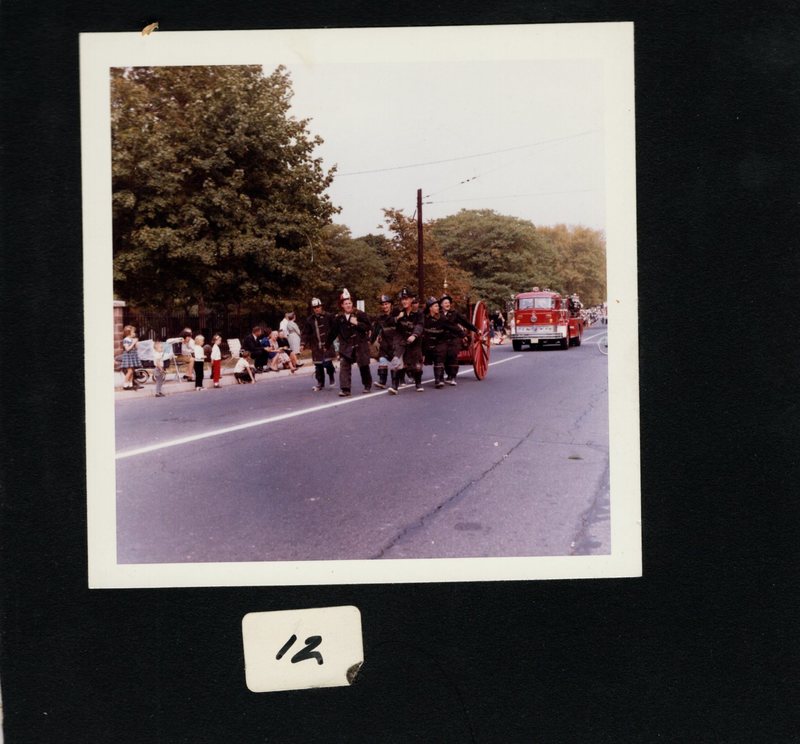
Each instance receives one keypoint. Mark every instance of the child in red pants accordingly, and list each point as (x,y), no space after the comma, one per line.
(216,359)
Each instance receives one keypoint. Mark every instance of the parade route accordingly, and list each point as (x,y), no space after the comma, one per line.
(513,465)
(270,420)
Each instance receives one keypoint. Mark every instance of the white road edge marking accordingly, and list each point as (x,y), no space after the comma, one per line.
(261,422)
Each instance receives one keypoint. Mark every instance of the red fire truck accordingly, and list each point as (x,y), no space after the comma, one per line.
(545,317)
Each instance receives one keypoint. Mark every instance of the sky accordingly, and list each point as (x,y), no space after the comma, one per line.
(523,138)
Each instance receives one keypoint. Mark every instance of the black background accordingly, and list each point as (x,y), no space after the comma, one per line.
(702,648)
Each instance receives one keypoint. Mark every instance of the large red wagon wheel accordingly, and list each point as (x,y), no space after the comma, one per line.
(480,343)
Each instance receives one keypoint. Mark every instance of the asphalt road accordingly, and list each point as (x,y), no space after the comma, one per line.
(514,465)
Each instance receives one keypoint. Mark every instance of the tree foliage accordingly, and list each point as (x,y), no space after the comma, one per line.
(349,262)
(581,254)
(217,195)
(218,199)
(400,257)
(504,255)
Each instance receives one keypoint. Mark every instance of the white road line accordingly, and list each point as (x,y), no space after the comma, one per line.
(262,422)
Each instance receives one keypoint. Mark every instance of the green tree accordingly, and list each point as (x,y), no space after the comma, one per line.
(504,255)
(217,195)
(350,262)
(581,256)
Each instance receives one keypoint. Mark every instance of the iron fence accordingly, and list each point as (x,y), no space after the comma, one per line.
(161,326)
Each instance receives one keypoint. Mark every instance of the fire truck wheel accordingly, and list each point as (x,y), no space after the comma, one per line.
(517,345)
(565,343)
(577,341)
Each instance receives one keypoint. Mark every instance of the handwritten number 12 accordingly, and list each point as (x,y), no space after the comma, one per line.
(307,652)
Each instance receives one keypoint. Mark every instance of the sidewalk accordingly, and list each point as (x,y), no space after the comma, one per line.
(172,386)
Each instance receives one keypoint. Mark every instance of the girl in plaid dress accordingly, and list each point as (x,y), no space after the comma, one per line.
(130,357)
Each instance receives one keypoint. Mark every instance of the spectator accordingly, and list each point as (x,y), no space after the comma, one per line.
(265,345)
(199,361)
(159,375)
(216,359)
(283,342)
(293,335)
(130,357)
(252,344)
(278,359)
(244,371)
(187,352)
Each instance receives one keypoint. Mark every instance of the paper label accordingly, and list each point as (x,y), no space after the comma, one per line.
(300,649)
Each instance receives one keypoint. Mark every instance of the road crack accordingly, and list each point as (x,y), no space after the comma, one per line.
(450,500)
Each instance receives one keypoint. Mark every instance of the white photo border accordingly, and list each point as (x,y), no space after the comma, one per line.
(608,43)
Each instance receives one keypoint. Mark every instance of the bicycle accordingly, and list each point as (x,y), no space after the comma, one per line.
(602,344)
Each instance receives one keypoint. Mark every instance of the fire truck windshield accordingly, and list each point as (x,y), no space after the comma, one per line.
(540,303)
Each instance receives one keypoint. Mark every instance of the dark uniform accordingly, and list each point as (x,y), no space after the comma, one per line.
(317,337)
(435,338)
(407,356)
(383,332)
(353,347)
(454,333)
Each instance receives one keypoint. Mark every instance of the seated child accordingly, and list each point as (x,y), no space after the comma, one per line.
(244,371)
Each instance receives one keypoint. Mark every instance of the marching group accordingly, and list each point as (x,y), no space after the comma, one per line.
(401,339)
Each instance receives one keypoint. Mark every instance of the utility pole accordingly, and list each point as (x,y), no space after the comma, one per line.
(420,260)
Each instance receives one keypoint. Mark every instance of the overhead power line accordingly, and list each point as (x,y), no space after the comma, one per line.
(511,196)
(467,157)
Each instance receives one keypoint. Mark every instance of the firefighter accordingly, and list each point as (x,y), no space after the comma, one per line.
(407,352)
(453,333)
(435,339)
(383,333)
(352,328)
(316,336)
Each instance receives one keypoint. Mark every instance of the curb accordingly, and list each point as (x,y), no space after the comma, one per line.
(172,386)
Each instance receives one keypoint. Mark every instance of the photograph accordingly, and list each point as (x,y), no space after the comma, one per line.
(348,302)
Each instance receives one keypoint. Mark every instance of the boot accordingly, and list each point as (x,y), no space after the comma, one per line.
(383,374)
(438,375)
(418,382)
(394,389)
(366,378)
(401,378)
